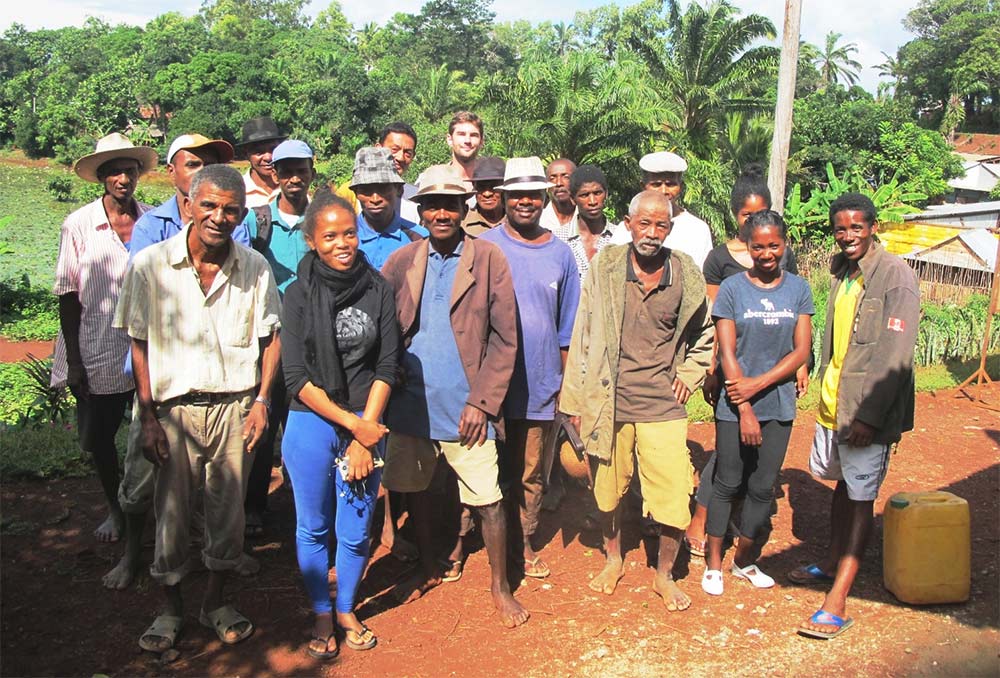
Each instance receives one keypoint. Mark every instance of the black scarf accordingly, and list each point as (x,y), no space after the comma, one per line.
(328,291)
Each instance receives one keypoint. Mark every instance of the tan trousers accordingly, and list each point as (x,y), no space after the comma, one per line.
(523,457)
(202,439)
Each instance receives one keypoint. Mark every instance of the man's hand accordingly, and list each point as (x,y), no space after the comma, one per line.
(749,428)
(742,389)
(681,392)
(472,427)
(76,380)
(368,433)
(711,389)
(359,461)
(153,440)
(254,425)
(801,381)
(860,435)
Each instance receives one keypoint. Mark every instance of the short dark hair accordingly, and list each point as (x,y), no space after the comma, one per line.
(397,128)
(465,116)
(221,176)
(750,182)
(586,174)
(854,202)
(324,199)
(762,219)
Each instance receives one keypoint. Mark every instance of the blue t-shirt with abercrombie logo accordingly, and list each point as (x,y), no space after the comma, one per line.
(765,333)
(547,289)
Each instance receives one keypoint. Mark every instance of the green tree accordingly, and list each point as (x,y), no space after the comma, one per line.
(836,62)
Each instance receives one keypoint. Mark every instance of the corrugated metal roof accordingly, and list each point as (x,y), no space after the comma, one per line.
(979,176)
(980,249)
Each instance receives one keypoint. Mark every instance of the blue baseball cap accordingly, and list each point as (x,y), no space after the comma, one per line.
(291,149)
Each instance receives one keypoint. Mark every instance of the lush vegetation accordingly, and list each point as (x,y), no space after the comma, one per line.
(612,85)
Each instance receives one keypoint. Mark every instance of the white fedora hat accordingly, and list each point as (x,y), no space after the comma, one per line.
(112,147)
(524,174)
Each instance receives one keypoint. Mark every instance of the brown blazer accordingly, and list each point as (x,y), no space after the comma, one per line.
(483,313)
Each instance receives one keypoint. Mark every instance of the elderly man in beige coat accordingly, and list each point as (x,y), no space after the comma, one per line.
(641,344)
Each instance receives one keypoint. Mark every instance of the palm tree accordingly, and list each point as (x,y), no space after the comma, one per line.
(889,69)
(706,67)
(441,93)
(565,37)
(836,62)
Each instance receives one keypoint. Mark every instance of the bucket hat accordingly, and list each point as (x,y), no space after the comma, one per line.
(112,147)
(373,165)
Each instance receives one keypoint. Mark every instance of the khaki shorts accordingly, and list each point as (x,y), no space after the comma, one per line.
(861,468)
(666,476)
(410,464)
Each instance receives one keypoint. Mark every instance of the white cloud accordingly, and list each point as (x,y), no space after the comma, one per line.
(874,27)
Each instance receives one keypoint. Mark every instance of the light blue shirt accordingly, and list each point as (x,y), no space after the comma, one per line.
(436,390)
(287,246)
(378,246)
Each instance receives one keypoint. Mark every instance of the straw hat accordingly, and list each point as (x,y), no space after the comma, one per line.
(113,147)
(441,180)
(524,174)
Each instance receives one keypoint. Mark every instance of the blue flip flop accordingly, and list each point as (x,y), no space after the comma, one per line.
(827,619)
(810,574)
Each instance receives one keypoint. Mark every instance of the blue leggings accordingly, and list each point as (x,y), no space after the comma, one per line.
(310,450)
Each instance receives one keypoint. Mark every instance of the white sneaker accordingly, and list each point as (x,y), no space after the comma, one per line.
(754,575)
(711,582)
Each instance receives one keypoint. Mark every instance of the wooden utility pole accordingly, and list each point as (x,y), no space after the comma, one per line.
(783,107)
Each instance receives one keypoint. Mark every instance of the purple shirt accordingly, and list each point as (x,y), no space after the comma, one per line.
(547,290)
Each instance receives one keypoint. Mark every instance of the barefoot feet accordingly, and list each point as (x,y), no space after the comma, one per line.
(607,579)
(110,530)
(121,575)
(512,613)
(674,599)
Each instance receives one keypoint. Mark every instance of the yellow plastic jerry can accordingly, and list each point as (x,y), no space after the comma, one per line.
(926,548)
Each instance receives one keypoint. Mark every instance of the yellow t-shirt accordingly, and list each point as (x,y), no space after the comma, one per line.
(844,304)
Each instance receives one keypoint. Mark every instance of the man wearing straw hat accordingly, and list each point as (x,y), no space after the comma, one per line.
(90,354)
(453,300)
(547,290)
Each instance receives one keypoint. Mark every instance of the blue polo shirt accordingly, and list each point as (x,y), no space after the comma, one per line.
(164,222)
(378,246)
(434,393)
(287,246)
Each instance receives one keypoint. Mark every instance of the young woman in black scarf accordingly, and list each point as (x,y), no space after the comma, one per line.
(339,340)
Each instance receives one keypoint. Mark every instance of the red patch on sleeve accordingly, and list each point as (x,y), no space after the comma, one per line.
(896,324)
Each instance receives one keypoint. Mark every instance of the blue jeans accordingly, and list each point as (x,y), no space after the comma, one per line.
(310,450)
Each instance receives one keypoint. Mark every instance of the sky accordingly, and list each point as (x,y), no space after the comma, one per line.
(875,27)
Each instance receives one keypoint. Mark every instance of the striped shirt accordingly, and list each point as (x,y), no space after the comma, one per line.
(199,342)
(92,262)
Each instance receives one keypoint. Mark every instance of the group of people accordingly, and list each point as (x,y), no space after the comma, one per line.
(435,343)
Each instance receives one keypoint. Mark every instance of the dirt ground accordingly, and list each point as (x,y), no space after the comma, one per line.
(57,620)
(14,351)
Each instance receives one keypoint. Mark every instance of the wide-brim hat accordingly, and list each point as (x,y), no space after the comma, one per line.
(441,180)
(524,174)
(260,129)
(113,147)
(373,165)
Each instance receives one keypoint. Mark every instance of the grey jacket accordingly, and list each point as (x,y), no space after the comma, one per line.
(876,382)
(590,378)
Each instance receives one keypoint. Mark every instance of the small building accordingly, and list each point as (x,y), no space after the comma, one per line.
(950,247)
(981,176)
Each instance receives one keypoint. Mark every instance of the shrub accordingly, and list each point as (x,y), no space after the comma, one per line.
(61,188)
(27,313)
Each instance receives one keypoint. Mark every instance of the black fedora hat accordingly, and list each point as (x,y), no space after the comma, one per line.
(260,129)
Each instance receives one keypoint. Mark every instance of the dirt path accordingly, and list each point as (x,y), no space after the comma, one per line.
(56,619)
(13,351)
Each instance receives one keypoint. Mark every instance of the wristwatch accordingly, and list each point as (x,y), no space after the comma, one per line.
(264,401)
